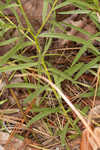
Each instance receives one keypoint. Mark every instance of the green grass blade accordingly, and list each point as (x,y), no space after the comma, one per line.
(62,4)
(71,70)
(82,50)
(6,42)
(88,44)
(75,12)
(63,134)
(15,49)
(63,36)
(87,66)
(82,4)
(4,6)
(22,58)
(35,94)
(22,85)
(90,93)
(61,75)
(96,3)
(3,32)
(42,115)
(94,18)
(79,29)
(94,50)
(30,27)
(17,67)
(45,9)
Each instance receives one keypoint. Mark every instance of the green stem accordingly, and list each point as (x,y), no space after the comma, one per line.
(45,21)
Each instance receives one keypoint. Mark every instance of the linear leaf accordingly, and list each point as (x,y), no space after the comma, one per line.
(64,36)
(35,94)
(11,52)
(42,115)
(78,29)
(62,4)
(96,2)
(6,42)
(75,12)
(82,4)
(17,67)
(45,9)
(63,134)
(90,93)
(86,67)
(22,58)
(94,50)
(94,18)
(71,70)
(84,48)
(4,6)
(38,109)
(22,85)
(3,32)
(61,75)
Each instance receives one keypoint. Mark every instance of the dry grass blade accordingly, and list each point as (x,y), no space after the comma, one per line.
(71,106)
(67,101)
(97,83)
(10,119)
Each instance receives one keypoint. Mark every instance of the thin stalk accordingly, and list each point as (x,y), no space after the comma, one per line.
(67,101)
(96,88)
(15,98)
(71,106)
(56,95)
(25,17)
(45,21)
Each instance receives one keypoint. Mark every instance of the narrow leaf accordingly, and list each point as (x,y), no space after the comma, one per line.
(11,52)
(42,115)
(6,42)
(35,94)
(22,85)
(86,67)
(17,67)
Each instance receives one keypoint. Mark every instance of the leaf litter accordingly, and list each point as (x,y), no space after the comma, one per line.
(58,56)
